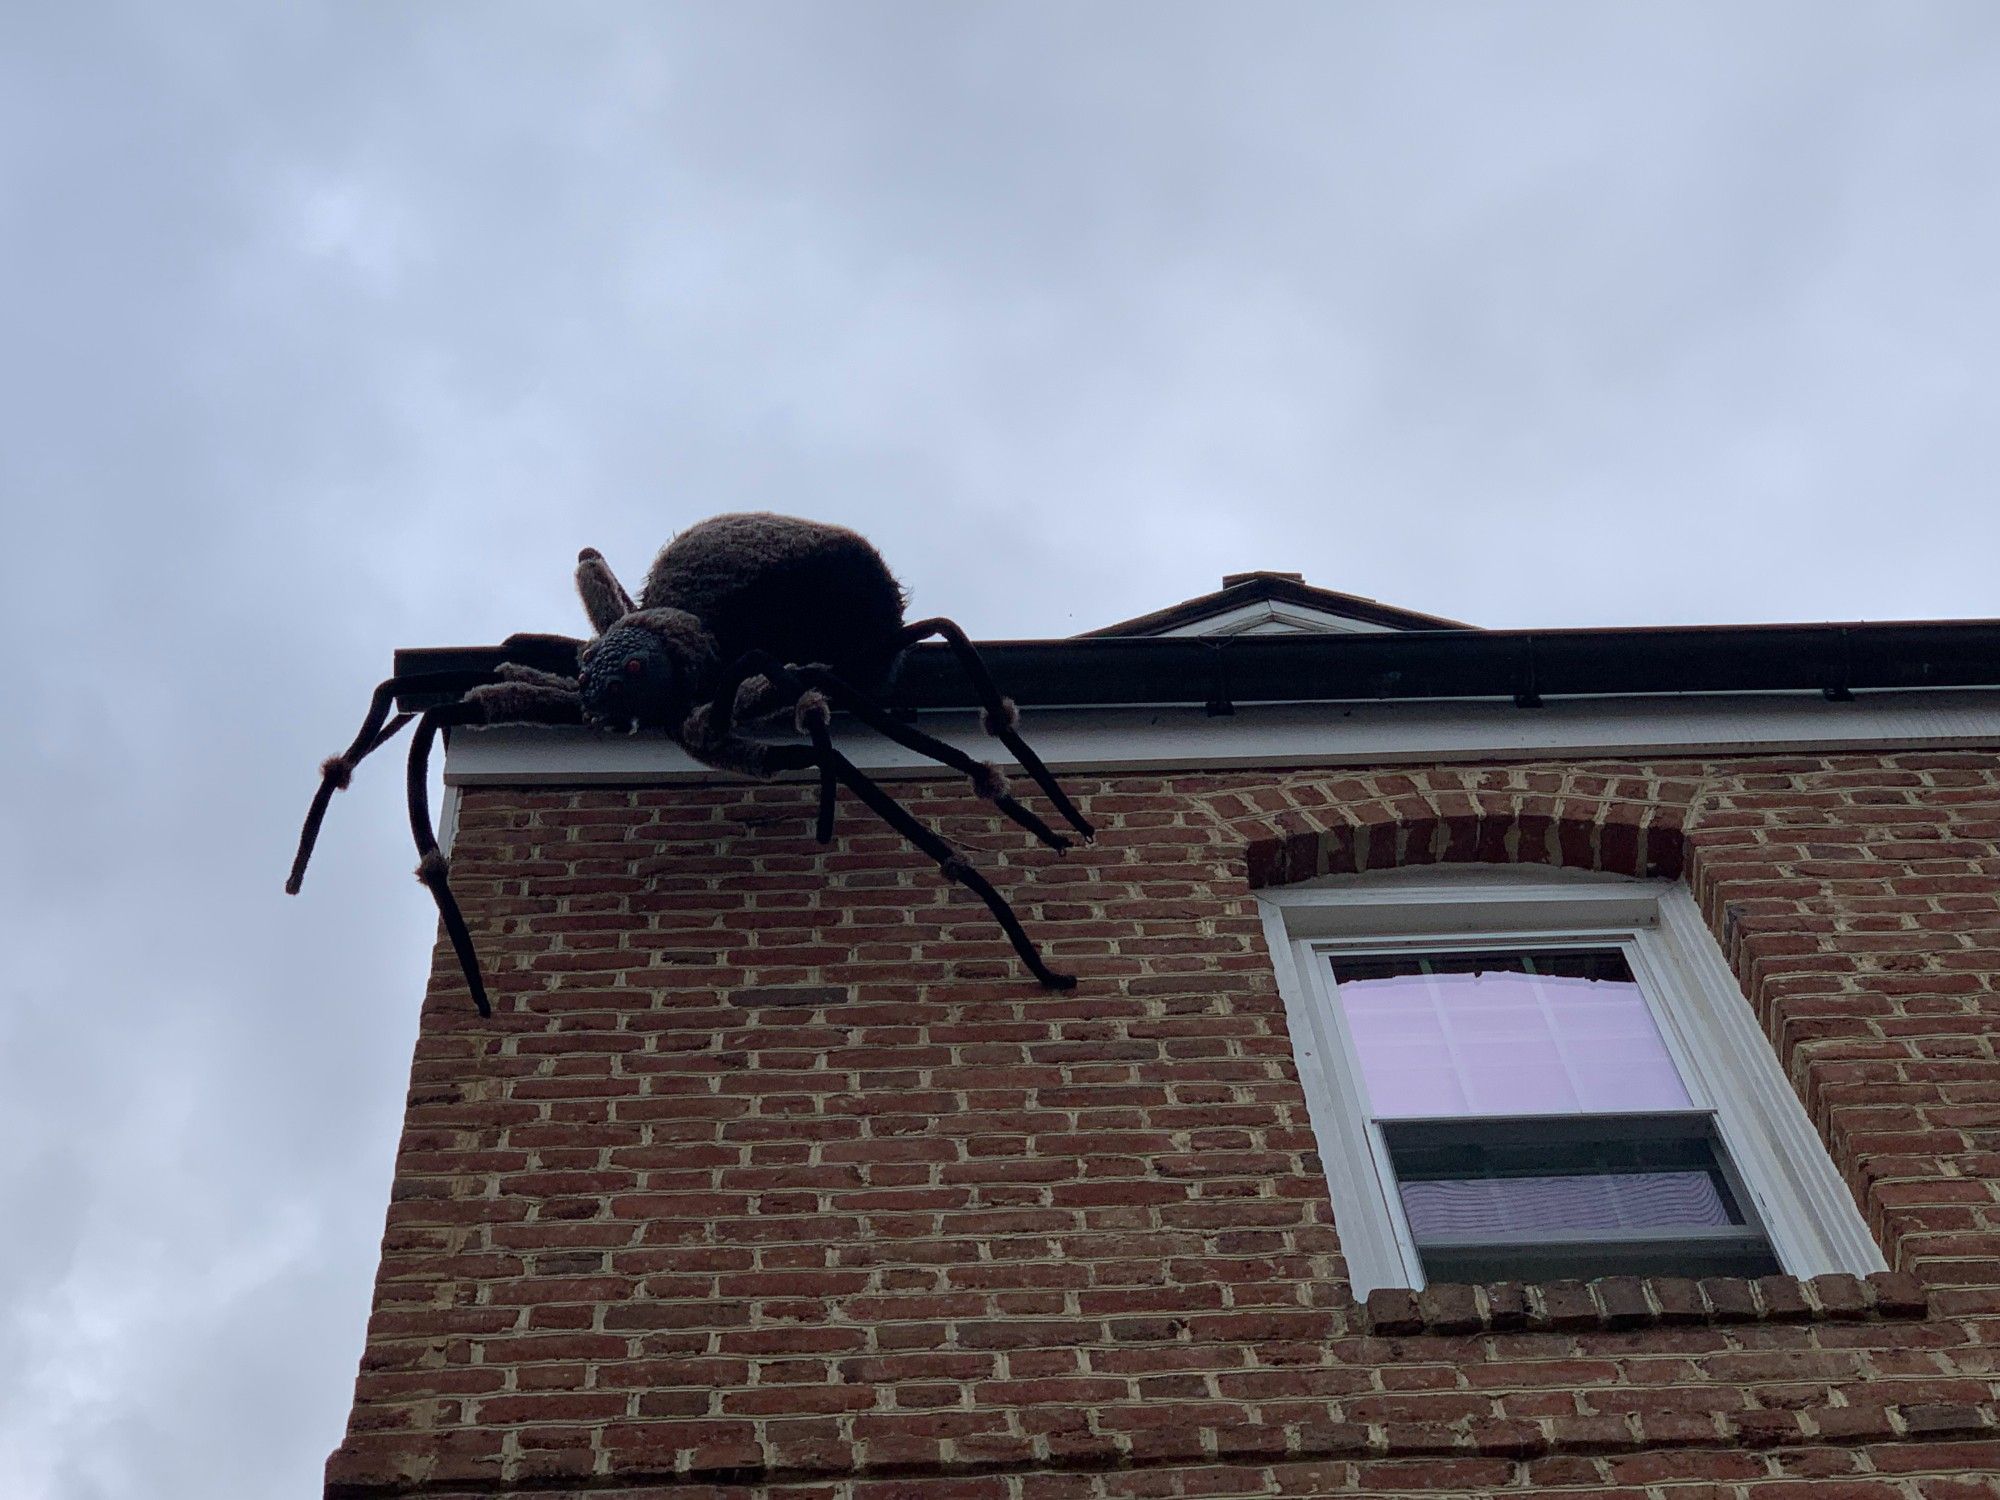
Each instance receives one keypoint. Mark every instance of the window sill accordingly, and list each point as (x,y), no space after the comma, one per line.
(1620,1302)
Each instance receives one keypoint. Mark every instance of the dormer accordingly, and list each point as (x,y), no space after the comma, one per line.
(1269,603)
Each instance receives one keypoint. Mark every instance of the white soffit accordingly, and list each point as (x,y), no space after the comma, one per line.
(1307,734)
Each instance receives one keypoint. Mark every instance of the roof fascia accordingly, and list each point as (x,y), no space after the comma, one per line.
(1527,667)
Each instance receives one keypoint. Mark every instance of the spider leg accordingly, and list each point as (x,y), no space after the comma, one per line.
(985,779)
(715,726)
(513,671)
(814,715)
(521,701)
(716,720)
(725,747)
(490,703)
(377,729)
(949,863)
(433,869)
(1001,717)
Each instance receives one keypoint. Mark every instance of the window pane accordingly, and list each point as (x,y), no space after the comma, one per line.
(1573,1195)
(1538,1032)
(1553,1206)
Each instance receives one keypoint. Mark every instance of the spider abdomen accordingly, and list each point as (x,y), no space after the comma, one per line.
(805,591)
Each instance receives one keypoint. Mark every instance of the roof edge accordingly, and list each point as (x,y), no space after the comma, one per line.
(1835,660)
(1255,588)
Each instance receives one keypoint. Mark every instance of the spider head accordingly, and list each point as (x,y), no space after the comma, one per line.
(645,672)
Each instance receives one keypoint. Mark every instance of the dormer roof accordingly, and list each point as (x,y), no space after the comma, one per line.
(1270,603)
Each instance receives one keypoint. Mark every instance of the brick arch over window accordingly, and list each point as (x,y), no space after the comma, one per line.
(1302,828)
(1618,819)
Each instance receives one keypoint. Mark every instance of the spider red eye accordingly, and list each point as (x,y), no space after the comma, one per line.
(633,666)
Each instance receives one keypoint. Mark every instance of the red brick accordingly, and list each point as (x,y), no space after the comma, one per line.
(1567,1305)
(1445,1308)
(1944,1421)
(1393,1310)
(1765,1429)
(779,1168)
(1624,1301)
(1507,1439)
(1730,1299)
(1507,1306)
(1897,1294)
(1843,1297)
(1679,1299)
(1783,1298)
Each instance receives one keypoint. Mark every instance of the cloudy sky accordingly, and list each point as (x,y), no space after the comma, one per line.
(330,328)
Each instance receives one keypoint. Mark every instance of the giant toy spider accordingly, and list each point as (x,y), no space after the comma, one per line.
(742,619)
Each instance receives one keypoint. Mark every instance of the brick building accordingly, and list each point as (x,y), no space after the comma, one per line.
(1501,1062)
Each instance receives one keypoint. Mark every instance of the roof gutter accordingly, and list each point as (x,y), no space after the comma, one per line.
(1837,661)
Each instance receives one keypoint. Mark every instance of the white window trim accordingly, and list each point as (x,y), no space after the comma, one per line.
(1726,1061)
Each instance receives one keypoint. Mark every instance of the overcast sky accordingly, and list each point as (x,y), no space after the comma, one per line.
(326,329)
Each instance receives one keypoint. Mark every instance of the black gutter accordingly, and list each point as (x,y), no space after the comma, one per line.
(1526,666)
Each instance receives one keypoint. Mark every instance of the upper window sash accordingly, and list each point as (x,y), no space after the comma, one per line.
(1629,942)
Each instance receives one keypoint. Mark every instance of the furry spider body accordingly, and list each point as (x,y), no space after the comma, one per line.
(800,590)
(797,591)
(741,618)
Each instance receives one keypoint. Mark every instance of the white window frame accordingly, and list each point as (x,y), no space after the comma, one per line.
(1726,1062)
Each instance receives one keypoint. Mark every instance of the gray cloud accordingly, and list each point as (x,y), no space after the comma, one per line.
(330,329)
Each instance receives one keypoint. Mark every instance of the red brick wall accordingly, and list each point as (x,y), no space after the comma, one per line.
(774,1173)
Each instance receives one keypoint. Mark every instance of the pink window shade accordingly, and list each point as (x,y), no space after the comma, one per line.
(1494,1035)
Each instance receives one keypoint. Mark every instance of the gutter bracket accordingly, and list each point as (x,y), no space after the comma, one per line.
(1219,705)
(1528,693)
(1841,688)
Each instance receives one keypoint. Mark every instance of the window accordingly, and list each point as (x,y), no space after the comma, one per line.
(1524,1074)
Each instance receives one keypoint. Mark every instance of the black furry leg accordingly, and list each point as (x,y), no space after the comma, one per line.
(717,718)
(1000,717)
(814,716)
(513,671)
(715,734)
(720,744)
(949,862)
(390,730)
(710,732)
(985,780)
(495,702)
(432,867)
(377,729)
